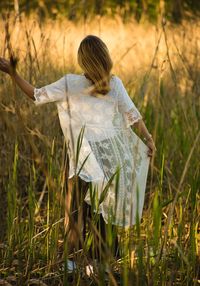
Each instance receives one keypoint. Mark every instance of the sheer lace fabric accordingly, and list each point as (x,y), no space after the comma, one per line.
(108,142)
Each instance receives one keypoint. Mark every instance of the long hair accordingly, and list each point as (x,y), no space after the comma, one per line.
(95,61)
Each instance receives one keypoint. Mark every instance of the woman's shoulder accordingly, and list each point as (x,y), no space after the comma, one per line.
(115,82)
(115,79)
(75,80)
(75,76)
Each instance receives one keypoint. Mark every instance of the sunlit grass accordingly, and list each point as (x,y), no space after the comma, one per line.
(161,72)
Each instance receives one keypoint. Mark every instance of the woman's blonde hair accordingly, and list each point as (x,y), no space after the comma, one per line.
(95,60)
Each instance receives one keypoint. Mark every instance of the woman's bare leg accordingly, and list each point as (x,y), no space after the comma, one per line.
(73,222)
(68,202)
(69,222)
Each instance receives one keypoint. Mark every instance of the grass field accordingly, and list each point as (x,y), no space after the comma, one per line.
(160,67)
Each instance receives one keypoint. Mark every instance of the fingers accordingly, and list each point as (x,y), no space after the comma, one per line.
(3,61)
(151,152)
(151,148)
(4,65)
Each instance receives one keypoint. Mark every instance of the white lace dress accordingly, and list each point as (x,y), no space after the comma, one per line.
(108,143)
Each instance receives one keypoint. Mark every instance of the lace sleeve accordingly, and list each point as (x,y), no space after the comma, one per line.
(132,116)
(126,105)
(53,92)
(40,95)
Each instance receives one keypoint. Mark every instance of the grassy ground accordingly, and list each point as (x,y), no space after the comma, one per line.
(160,68)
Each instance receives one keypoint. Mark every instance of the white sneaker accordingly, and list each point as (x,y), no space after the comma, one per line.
(70,265)
(89,270)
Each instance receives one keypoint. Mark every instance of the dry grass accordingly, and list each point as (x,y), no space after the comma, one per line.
(160,68)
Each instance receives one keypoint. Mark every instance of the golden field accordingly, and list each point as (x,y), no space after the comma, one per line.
(160,67)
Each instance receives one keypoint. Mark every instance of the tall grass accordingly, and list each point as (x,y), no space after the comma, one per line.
(160,68)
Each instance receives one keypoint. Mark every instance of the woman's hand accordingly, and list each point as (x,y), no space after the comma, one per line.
(147,137)
(152,148)
(9,68)
(5,66)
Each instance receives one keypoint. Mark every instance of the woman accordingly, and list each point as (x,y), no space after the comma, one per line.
(96,106)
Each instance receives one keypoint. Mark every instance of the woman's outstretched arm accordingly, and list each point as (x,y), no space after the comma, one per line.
(26,87)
